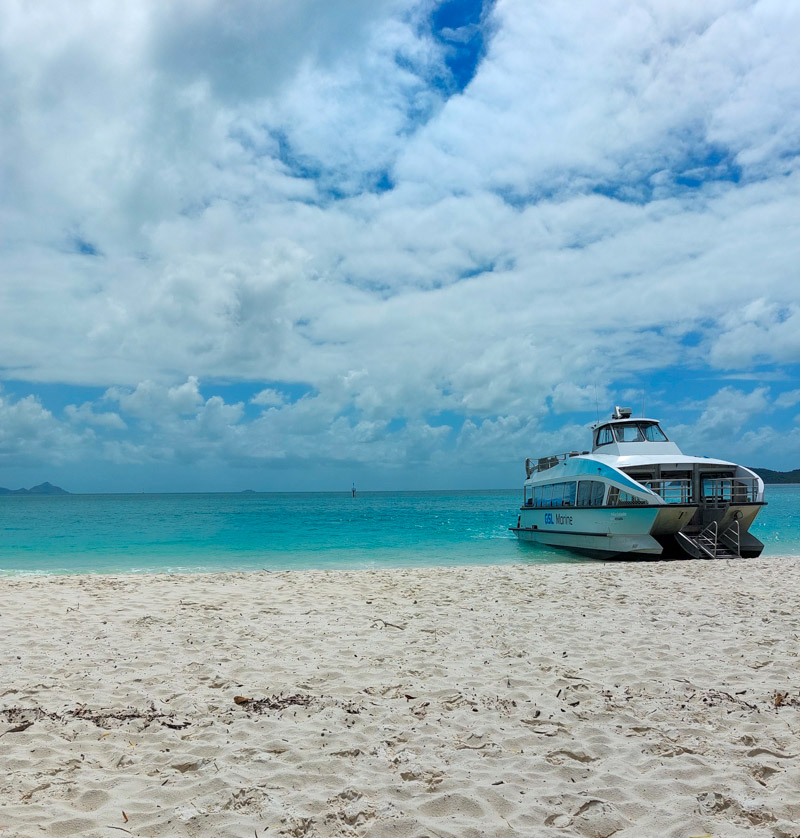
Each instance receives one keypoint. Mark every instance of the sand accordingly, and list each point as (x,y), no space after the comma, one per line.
(654,699)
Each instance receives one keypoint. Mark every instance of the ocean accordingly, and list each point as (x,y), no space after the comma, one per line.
(150,533)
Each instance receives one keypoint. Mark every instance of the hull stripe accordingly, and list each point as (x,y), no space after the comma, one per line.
(564,532)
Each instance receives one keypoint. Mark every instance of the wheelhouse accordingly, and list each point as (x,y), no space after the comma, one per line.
(644,430)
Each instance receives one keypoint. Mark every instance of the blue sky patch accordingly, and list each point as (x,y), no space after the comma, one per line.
(459,25)
(84,247)
(53,396)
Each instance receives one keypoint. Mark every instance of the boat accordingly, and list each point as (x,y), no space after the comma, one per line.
(636,495)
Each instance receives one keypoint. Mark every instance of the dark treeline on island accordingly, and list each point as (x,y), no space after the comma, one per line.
(41,489)
(770,476)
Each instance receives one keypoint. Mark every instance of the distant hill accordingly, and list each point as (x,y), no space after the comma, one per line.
(770,476)
(41,489)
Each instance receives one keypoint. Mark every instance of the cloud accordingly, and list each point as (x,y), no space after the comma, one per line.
(246,51)
(30,435)
(788,399)
(301,195)
(269,397)
(156,403)
(761,331)
(85,414)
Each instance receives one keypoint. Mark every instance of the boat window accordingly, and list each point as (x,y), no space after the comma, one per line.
(604,435)
(717,488)
(617,497)
(628,433)
(528,497)
(561,494)
(653,433)
(590,493)
(676,475)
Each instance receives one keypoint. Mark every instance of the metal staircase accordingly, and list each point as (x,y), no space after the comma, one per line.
(710,543)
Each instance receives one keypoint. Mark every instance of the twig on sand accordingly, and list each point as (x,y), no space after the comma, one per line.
(120,828)
(386,624)
(18,729)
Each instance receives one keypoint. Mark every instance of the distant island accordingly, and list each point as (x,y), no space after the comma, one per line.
(770,476)
(41,489)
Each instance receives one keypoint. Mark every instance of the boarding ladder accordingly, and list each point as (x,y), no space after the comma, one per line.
(710,543)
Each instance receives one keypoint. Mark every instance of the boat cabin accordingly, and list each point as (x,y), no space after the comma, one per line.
(622,435)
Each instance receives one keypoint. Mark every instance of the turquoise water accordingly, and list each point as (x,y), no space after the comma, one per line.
(205,532)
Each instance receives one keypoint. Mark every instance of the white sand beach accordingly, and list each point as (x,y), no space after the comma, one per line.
(654,699)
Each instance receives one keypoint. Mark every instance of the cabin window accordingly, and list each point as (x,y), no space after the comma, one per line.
(653,433)
(718,487)
(676,475)
(604,435)
(617,497)
(590,493)
(628,433)
(558,494)
(528,498)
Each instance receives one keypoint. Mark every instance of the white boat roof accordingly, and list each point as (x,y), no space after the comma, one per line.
(615,452)
(631,460)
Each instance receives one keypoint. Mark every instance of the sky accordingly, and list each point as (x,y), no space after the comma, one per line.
(398,243)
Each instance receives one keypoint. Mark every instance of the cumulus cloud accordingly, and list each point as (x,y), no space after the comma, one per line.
(31,435)
(761,331)
(85,414)
(269,397)
(788,399)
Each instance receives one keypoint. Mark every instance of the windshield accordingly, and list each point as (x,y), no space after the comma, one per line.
(628,433)
(639,432)
(652,433)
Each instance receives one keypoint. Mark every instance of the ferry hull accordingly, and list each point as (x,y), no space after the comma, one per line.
(631,532)
(604,532)
(597,546)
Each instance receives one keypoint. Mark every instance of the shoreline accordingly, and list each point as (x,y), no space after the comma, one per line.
(565,698)
(562,558)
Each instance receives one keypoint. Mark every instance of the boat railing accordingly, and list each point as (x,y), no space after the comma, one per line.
(724,491)
(708,540)
(545,463)
(671,491)
(732,537)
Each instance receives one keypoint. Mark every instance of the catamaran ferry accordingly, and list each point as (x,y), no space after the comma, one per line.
(637,495)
